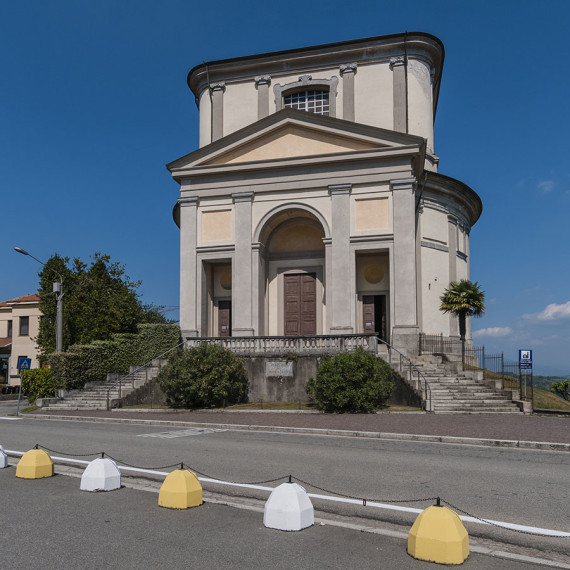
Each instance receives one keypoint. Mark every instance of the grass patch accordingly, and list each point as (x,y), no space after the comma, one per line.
(147,407)
(549,401)
(400,409)
(260,405)
(28,409)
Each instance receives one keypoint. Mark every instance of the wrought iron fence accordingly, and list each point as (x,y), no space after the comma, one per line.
(507,374)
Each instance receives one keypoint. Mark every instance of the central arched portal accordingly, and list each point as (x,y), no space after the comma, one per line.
(294,274)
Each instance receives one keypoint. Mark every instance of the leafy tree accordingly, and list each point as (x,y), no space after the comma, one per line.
(351,382)
(205,376)
(562,389)
(38,383)
(99,300)
(463,299)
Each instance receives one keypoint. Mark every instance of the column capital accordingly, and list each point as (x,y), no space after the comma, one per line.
(335,189)
(403,183)
(348,68)
(188,200)
(396,61)
(220,86)
(262,80)
(258,247)
(242,197)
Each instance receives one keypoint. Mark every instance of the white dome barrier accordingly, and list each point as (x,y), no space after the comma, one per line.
(288,508)
(101,474)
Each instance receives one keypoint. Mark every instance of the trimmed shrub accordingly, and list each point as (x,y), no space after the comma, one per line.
(205,376)
(38,383)
(351,382)
(92,362)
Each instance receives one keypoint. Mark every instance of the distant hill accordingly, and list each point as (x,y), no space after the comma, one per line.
(545,382)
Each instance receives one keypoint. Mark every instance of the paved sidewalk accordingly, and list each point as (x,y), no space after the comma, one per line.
(504,427)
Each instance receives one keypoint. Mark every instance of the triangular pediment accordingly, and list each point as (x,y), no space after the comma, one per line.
(291,141)
(291,134)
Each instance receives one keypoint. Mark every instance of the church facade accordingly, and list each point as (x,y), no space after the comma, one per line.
(314,205)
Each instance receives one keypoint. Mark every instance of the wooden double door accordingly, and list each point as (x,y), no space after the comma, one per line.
(300,291)
(224,318)
(374,314)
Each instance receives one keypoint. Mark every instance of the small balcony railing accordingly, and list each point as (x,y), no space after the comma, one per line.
(320,344)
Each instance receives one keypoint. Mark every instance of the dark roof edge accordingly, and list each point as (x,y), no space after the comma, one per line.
(468,193)
(402,35)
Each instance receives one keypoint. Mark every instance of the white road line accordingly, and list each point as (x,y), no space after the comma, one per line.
(10,418)
(181,433)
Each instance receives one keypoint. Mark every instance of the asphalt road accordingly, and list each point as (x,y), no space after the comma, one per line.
(50,523)
(512,485)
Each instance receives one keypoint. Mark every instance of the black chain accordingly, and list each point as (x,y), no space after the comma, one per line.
(139,467)
(365,499)
(235,482)
(66,452)
(499,525)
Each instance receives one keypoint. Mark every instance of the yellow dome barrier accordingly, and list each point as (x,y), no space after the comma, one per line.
(438,535)
(34,464)
(180,490)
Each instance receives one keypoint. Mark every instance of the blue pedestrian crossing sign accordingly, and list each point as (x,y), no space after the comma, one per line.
(24,363)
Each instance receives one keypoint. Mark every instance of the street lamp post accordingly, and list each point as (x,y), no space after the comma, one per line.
(58,290)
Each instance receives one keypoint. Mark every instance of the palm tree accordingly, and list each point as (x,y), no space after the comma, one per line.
(463,299)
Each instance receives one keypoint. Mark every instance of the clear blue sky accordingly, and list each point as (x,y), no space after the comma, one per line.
(94,103)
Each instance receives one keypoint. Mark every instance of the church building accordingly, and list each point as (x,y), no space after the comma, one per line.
(313,205)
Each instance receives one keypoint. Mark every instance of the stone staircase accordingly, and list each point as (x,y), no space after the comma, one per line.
(456,391)
(107,395)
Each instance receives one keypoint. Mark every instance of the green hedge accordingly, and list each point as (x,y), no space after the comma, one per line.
(92,362)
(38,383)
(351,382)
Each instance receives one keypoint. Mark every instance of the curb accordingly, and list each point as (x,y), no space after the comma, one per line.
(508,443)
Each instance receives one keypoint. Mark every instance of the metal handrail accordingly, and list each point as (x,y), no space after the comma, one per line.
(145,366)
(412,367)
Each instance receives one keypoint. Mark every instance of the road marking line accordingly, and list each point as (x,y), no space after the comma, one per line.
(10,418)
(181,433)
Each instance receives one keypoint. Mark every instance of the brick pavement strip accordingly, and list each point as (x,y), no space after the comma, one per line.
(529,432)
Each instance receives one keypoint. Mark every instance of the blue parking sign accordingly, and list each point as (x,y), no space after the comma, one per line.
(525,356)
(525,359)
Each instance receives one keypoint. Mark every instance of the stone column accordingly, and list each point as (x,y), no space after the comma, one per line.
(257,287)
(262,83)
(340,282)
(452,245)
(405,327)
(241,267)
(397,65)
(217,95)
(348,72)
(188,266)
(328,285)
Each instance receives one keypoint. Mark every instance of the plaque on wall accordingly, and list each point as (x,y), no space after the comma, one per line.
(279,368)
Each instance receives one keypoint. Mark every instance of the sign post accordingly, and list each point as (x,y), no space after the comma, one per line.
(23,364)
(525,364)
